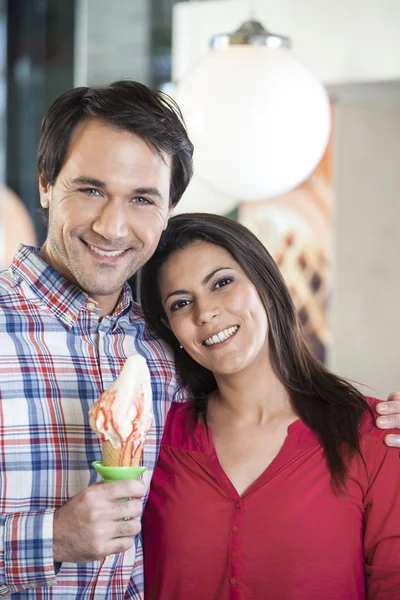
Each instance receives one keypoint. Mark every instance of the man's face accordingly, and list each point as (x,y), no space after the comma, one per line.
(107,209)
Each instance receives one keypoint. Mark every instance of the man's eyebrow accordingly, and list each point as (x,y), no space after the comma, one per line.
(147,191)
(89,181)
(204,282)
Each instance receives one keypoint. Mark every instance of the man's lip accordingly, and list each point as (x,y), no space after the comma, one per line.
(217,331)
(102,249)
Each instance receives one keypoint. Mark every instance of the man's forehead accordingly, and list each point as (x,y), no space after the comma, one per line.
(95,146)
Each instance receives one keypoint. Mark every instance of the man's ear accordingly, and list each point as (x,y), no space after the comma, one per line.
(44,190)
(170,212)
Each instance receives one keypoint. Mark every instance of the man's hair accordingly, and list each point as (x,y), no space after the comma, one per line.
(127,105)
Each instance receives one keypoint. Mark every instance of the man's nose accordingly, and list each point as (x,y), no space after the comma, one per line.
(111,221)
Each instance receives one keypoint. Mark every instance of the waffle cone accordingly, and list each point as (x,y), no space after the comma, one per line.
(112,456)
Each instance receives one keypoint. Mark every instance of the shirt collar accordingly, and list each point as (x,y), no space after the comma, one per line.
(62,298)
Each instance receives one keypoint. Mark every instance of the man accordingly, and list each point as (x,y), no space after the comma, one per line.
(112,162)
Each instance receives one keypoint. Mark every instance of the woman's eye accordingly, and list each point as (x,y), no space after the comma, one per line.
(179,304)
(223,282)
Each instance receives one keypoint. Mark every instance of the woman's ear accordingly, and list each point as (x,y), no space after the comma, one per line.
(165,322)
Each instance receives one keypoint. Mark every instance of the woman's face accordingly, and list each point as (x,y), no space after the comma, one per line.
(213,309)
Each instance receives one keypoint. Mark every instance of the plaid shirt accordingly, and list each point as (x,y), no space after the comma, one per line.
(55,361)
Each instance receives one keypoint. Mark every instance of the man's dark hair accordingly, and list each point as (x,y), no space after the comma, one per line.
(126,105)
(328,404)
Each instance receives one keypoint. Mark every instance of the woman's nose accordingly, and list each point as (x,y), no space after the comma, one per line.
(206,312)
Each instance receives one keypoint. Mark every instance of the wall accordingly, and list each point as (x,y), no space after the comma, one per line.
(342,41)
(112,41)
(352,46)
(365,309)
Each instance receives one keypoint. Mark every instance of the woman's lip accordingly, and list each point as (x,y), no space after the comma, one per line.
(219,331)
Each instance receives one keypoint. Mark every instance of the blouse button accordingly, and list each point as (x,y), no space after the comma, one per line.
(237,504)
(233,580)
(235,529)
(234,554)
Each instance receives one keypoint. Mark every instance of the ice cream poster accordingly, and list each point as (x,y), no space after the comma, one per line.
(296,228)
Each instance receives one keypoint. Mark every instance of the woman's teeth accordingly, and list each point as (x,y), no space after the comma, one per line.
(221,336)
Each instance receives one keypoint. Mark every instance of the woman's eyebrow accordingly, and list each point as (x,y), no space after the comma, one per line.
(204,282)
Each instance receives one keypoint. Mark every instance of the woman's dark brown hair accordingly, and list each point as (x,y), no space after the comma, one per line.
(126,105)
(328,404)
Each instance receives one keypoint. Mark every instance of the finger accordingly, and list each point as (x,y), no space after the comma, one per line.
(127,488)
(394,396)
(127,528)
(392,440)
(390,407)
(120,544)
(388,422)
(129,509)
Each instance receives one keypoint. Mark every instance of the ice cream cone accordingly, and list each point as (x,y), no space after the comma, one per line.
(112,456)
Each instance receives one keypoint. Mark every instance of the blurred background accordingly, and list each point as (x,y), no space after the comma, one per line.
(332,228)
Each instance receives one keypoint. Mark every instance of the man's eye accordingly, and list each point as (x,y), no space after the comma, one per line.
(141,200)
(223,282)
(179,304)
(91,191)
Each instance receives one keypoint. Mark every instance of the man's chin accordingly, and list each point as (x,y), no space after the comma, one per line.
(102,288)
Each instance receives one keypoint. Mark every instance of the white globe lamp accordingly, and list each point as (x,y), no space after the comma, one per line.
(259,120)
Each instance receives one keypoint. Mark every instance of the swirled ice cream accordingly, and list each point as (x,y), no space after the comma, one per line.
(123,414)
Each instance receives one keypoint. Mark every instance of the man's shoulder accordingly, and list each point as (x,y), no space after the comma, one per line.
(367,426)
(372,437)
(149,341)
(10,294)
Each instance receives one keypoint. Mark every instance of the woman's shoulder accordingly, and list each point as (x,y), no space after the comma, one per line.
(181,428)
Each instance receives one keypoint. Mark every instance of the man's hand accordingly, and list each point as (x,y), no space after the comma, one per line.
(391,418)
(93,524)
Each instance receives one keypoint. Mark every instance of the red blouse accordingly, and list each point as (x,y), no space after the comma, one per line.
(289,537)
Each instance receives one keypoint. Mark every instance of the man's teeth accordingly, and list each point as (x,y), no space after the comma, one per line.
(221,336)
(106,252)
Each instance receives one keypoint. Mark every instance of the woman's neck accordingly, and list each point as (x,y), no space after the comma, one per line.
(251,398)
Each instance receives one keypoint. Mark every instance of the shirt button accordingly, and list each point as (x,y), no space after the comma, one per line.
(90,306)
(237,504)
(233,580)
(234,554)
(235,529)
(69,318)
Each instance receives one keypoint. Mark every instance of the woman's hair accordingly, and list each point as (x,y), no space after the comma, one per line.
(127,105)
(329,405)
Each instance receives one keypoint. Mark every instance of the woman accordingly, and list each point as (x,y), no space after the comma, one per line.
(272,482)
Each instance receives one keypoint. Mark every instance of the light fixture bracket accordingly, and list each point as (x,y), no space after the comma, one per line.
(250,33)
